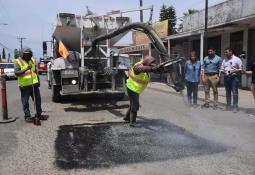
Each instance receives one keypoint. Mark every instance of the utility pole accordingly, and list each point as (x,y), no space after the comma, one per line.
(21,41)
(206,26)
(141,11)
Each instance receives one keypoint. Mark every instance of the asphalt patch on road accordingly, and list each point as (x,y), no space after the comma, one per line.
(108,145)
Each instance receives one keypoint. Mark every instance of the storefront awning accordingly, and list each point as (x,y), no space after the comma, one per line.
(184,35)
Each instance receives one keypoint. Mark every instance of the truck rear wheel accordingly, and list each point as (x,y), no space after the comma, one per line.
(49,85)
(56,96)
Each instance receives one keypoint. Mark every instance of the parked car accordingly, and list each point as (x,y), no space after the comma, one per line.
(8,70)
(42,66)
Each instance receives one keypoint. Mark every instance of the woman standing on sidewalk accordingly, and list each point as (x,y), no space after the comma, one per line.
(192,71)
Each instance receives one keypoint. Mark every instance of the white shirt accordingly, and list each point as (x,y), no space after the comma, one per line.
(234,63)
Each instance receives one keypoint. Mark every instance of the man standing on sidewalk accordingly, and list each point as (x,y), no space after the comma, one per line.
(28,81)
(210,76)
(231,68)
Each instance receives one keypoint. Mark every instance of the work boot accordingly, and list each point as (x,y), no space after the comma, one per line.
(215,106)
(127,116)
(133,116)
(28,119)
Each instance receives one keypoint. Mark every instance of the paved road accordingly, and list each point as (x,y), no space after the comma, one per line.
(86,135)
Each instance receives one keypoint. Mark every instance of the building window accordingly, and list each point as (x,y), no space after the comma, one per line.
(236,42)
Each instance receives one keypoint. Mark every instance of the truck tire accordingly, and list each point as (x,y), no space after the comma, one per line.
(49,85)
(56,96)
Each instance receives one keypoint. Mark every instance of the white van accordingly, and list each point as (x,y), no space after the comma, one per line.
(8,70)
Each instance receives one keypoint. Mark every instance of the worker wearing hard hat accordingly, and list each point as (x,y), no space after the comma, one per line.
(138,79)
(28,81)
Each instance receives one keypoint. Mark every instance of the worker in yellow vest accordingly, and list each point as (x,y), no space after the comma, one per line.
(25,70)
(138,79)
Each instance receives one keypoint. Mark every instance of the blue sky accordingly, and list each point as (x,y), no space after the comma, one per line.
(33,19)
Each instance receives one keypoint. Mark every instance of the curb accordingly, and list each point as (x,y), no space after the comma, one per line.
(179,94)
(220,104)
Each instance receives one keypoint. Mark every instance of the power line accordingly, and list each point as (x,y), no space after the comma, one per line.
(2,45)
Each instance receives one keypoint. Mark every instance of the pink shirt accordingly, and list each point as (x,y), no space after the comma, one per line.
(234,63)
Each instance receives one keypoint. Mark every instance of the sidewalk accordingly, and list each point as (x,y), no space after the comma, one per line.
(246,102)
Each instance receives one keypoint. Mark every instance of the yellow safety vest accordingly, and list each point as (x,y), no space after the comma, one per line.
(137,82)
(30,76)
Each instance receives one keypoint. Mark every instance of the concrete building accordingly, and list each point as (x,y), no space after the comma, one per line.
(230,24)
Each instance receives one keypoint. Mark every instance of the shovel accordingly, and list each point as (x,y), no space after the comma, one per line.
(36,120)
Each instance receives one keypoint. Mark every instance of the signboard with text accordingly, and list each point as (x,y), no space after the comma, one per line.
(132,49)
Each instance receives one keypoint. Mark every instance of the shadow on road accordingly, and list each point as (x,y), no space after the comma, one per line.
(92,103)
(105,145)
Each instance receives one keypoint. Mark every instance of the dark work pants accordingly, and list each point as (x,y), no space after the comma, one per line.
(27,92)
(134,100)
(231,87)
(192,88)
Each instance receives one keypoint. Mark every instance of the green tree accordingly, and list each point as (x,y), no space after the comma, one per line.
(162,15)
(3,54)
(169,13)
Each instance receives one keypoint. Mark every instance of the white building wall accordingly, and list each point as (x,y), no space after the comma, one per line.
(225,42)
(246,80)
(220,14)
(245,48)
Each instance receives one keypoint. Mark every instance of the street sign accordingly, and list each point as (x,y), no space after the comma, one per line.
(131,49)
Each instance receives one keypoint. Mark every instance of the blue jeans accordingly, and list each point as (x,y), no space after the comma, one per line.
(192,88)
(27,92)
(231,87)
